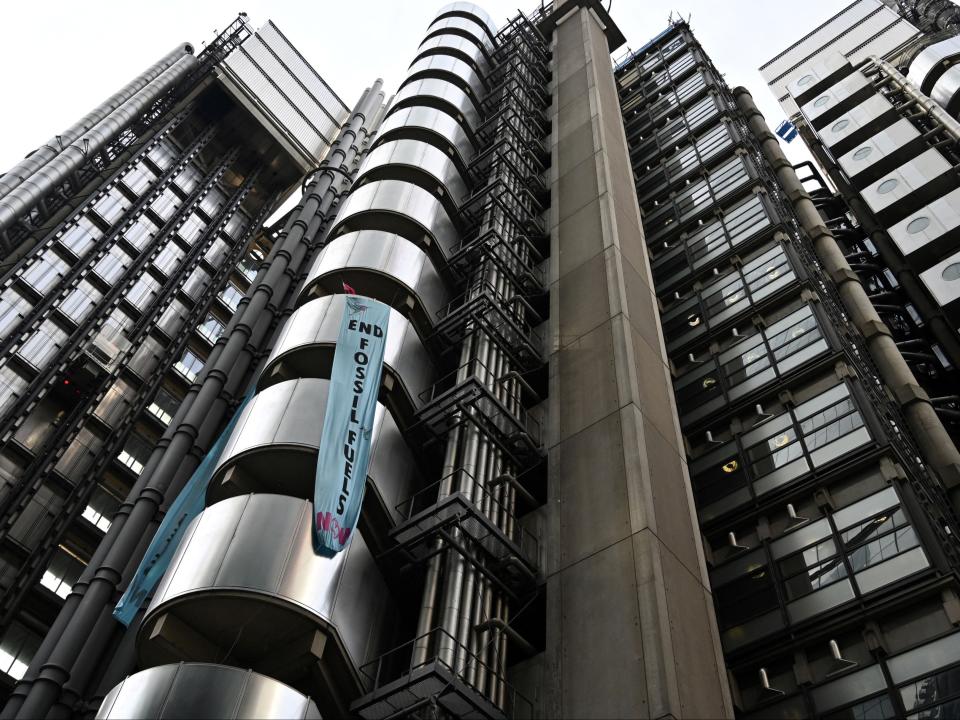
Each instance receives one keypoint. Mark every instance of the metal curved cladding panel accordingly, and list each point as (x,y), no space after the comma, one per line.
(412,161)
(946,92)
(384,266)
(928,66)
(248,562)
(468,27)
(402,208)
(429,125)
(451,69)
(204,690)
(443,95)
(273,447)
(306,344)
(466,8)
(455,46)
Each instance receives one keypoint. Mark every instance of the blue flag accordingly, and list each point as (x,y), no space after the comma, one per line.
(188,504)
(787,130)
(348,424)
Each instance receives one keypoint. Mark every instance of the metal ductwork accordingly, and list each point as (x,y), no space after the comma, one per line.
(32,190)
(52,147)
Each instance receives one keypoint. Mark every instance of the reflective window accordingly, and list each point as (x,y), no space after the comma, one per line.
(140,232)
(111,266)
(235,225)
(80,237)
(189,179)
(197,281)
(64,570)
(112,205)
(250,264)
(166,204)
(192,227)
(116,324)
(211,328)
(231,296)
(101,508)
(167,259)
(217,252)
(80,302)
(17,648)
(143,291)
(136,452)
(44,272)
(163,154)
(213,201)
(11,385)
(138,178)
(164,406)
(189,365)
(43,344)
(172,318)
(13,307)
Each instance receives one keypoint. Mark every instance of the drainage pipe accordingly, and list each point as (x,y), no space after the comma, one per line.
(934,442)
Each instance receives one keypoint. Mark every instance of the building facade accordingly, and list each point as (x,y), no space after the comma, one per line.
(643,448)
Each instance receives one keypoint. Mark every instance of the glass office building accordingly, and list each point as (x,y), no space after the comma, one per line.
(643,446)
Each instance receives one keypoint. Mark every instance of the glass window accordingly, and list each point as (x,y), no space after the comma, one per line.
(189,365)
(136,452)
(235,225)
(250,264)
(13,307)
(880,538)
(211,328)
(217,252)
(192,227)
(746,597)
(101,508)
(189,179)
(115,325)
(172,318)
(64,570)
(197,281)
(231,296)
(42,345)
(164,406)
(80,302)
(11,385)
(80,237)
(163,154)
(212,202)
(111,266)
(17,649)
(167,259)
(140,232)
(811,569)
(44,272)
(166,204)
(143,291)
(138,178)
(111,206)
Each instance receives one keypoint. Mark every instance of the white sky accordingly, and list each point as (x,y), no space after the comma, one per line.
(58,59)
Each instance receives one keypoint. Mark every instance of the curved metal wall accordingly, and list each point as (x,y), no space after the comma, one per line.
(172,691)
(249,561)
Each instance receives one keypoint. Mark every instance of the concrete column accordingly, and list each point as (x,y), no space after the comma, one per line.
(631,630)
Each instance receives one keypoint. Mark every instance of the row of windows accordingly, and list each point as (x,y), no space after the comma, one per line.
(725,297)
(780,450)
(671,135)
(672,264)
(819,566)
(749,365)
(656,56)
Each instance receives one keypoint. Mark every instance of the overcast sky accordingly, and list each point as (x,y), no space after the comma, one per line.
(59,59)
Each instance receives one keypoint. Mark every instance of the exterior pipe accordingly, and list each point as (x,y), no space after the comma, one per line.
(32,190)
(934,442)
(172,459)
(909,88)
(52,147)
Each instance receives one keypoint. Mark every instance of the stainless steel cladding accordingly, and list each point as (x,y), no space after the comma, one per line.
(273,448)
(457,46)
(932,62)
(448,68)
(402,208)
(174,691)
(430,125)
(383,265)
(443,95)
(412,160)
(43,154)
(306,345)
(33,189)
(226,576)
(475,11)
(290,99)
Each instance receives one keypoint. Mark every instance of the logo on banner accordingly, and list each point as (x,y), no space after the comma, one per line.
(348,423)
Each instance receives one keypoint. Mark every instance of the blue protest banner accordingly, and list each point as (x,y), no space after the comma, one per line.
(187,505)
(348,423)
